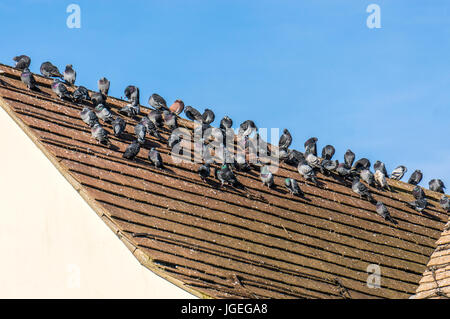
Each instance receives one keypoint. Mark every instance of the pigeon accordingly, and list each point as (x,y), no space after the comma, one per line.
(132,94)
(415,178)
(155,158)
(150,127)
(157,102)
(22,62)
(70,75)
(285,139)
(132,150)
(80,94)
(118,126)
(328,166)
(418,192)
(266,176)
(177,107)
(247,128)
(88,116)
(226,123)
(445,203)
(104,113)
(379,166)
(349,158)
(193,114)
(130,110)
(225,175)
(436,185)
(313,160)
(311,146)
(60,90)
(419,204)
(170,119)
(100,134)
(294,157)
(49,70)
(292,185)
(307,171)
(383,211)
(361,164)
(156,117)
(343,170)
(103,86)
(397,174)
(367,176)
(98,98)
(208,116)
(140,130)
(204,171)
(28,79)
(361,189)
(328,152)
(380,179)
(173,140)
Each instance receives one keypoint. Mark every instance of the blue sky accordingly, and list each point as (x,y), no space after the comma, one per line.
(313,66)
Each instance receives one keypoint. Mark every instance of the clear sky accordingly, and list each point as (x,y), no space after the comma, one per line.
(311,66)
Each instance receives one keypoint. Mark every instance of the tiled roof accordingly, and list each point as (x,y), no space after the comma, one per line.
(230,242)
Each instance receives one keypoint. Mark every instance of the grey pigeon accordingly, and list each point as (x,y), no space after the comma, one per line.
(292,185)
(383,211)
(150,127)
(158,102)
(294,158)
(28,79)
(445,203)
(156,117)
(208,116)
(328,152)
(88,116)
(367,176)
(49,70)
(379,166)
(226,123)
(307,171)
(132,94)
(415,178)
(343,170)
(436,185)
(418,192)
(247,128)
(225,175)
(419,204)
(380,180)
(193,114)
(283,154)
(285,139)
(104,113)
(311,146)
(60,90)
(349,158)
(173,140)
(397,174)
(140,130)
(118,126)
(98,98)
(132,150)
(155,158)
(170,120)
(312,160)
(100,134)
(266,176)
(103,86)
(70,75)
(22,62)
(328,166)
(130,110)
(80,94)
(204,171)
(361,189)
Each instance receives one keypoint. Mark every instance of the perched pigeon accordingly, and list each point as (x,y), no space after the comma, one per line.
(379,166)
(285,139)
(103,86)
(130,110)
(173,139)
(132,150)
(380,179)
(415,178)
(367,176)
(140,130)
(361,164)
(118,126)
(177,107)
(266,176)
(445,203)
(328,152)
(104,113)
(80,94)
(383,211)
(247,128)
(193,114)
(343,170)
(312,160)
(170,119)
(292,185)
(294,157)
(436,185)
(22,62)
(397,174)
(204,171)
(156,117)
(132,94)
(150,127)
(208,116)
(70,75)
(100,134)
(418,192)
(311,146)
(158,102)
(361,189)
(88,116)
(307,171)
(419,204)
(155,158)
(328,166)
(28,79)
(98,98)
(49,70)
(226,123)
(60,90)
(225,175)
(349,158)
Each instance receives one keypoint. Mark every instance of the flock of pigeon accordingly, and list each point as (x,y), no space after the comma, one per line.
(308,163)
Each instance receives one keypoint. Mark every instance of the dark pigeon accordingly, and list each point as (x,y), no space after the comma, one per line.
(140,130)
(103,86)
(208,116)
(158,102)
(225,175)
(397,174)
(204,171)
(361,164)
(132,94)
(155,158)
(415,178)
(173,140)
(361,189)
(226,123)
(22,62)
(343,170)
(150,127)
(311,146)
(292,185)
(132,150)
(80,94)
(88,116)
(349,158)
(327,166)
(98,98)
(383,212)
(156,117)
(285,139)
(328,152)
(419,204)
(418,192)
(294,157)
(70,75)
(193,114)
(49,70)
(118,126)
(247,128)
(28,79)
(170,120)
(436,185)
